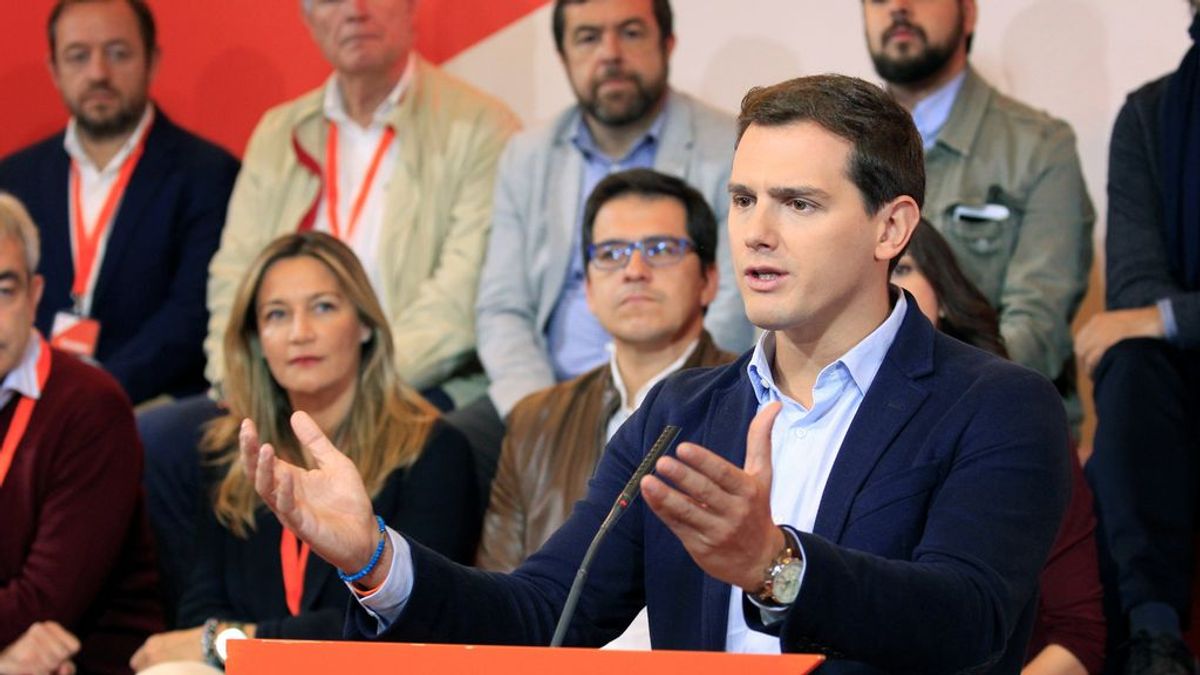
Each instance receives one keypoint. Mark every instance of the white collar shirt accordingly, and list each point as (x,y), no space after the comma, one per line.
(23,380)
(355,149)
(95,183)
(805,443)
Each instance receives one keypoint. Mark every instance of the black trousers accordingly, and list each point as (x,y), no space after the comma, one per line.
(1144,470)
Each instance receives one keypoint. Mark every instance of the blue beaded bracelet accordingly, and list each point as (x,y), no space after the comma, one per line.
(351,578)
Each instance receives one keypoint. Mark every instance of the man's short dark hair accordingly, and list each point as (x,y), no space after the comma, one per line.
(888,158)
(650,184)
(662,14)
(140,9)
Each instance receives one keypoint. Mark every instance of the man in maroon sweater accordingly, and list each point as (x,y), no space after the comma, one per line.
(74,543)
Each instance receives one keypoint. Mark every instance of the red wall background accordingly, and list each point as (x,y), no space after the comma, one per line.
(224,62)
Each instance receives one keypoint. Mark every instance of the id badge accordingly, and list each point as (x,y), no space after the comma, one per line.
(75,334)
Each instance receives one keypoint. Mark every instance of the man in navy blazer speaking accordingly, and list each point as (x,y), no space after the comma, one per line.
(857,485)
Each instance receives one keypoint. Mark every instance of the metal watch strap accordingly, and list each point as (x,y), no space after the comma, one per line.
(208,643)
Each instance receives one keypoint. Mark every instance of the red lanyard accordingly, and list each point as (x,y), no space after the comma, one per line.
(20,419)
(294,560)
(88,246)
(331,180)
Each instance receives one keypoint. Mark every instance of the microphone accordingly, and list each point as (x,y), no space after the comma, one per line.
(627,497)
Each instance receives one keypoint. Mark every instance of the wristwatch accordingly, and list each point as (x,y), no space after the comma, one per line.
(781,579)
(221,643)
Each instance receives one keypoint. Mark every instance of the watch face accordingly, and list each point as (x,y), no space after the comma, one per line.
(221,644)
(785,585)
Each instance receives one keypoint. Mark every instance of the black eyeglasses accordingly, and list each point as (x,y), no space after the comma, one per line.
(658,251)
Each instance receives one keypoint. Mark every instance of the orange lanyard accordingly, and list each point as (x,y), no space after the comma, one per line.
(294,560)
(331,180)
(20,419)
(88,246)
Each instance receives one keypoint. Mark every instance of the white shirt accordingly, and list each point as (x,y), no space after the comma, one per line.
(356,147)
(629,407)
(805,444)
(22,380)
(95,182)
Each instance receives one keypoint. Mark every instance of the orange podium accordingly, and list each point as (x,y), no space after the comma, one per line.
(295,657)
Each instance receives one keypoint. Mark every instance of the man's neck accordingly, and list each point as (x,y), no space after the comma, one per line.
(803,351)
(616,141)
(363,93)
(909,95)
(102,150)
(639,364)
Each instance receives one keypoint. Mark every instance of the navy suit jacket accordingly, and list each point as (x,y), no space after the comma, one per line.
(149,295)
(937,517)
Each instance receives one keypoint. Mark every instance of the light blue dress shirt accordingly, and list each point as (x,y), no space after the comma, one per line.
(575,340)
(930,113)
(805,443)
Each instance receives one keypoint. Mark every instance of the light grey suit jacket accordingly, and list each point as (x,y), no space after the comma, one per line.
(533,220)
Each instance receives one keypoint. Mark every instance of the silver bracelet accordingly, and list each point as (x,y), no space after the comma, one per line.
(208,643)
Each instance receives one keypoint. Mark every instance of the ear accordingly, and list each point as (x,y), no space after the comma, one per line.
(894,225)
(970,16)
(669,47)
(711,282)
(365,333)
(588,290)
(152,61)
(36,285)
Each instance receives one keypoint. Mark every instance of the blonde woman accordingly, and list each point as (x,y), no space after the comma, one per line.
(307,333)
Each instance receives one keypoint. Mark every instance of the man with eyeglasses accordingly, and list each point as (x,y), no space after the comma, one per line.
(649,243)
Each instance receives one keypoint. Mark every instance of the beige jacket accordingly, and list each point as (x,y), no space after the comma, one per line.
(432,249)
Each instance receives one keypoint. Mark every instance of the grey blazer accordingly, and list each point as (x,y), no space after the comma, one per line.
(533,219)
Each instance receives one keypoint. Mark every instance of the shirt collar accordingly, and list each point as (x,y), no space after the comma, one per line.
(23,378)
(582,138)
(862,361)
(930,113)
(74,146)
(335,106)
(640,395)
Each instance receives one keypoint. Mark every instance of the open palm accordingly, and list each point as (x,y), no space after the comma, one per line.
(327,506)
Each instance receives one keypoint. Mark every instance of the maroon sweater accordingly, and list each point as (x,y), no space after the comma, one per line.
(74,543)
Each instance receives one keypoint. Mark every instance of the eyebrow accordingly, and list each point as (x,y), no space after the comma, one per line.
(633,21)
(783,194)
(308,298)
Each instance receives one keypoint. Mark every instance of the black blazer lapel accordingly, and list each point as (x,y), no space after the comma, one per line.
(894,396)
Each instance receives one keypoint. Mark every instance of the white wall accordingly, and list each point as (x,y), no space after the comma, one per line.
(1075,58)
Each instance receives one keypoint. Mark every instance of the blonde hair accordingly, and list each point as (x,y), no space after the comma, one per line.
(16,222)
(388,423)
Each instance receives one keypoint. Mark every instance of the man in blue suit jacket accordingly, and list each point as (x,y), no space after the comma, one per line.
(147,290)
(858,485)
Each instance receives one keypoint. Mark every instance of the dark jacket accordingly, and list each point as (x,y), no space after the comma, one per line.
(149,295)
(934,524)
(553,442)
(242,580)
(1137,265)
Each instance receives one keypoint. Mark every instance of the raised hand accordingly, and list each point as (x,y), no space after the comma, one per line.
(326,506)
(720,512)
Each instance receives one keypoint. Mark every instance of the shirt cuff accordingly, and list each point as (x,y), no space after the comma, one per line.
(1166,310)
(387,602)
